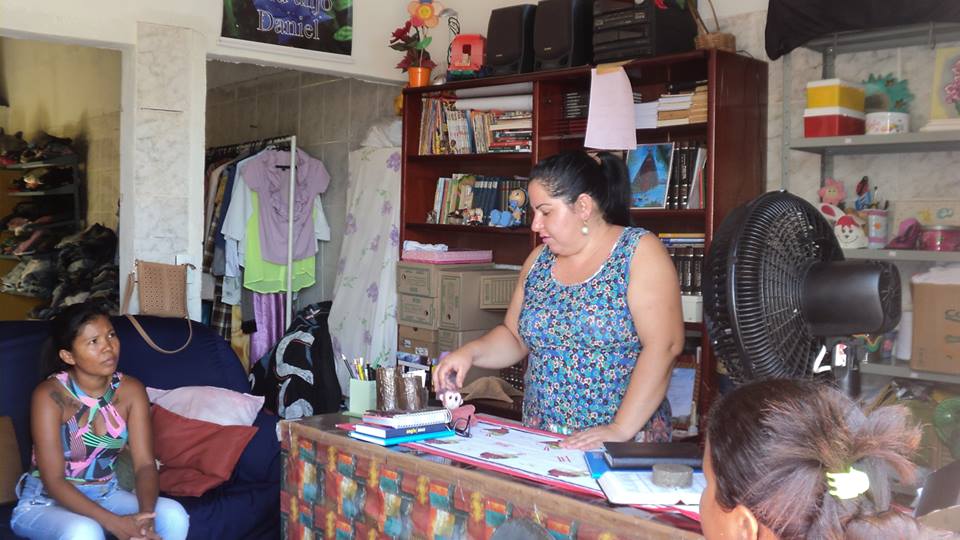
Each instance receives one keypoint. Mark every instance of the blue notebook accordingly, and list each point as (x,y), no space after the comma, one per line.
(596,463)
(400,440)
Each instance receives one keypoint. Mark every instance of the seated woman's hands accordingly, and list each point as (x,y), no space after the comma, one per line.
(134,527)
(594,437)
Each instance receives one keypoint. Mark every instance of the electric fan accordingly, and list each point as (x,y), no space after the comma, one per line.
(776,285)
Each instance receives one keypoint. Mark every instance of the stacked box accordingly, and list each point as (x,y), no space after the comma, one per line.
(834,107)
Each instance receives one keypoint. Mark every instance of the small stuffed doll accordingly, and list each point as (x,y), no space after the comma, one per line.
(452,400)
(832,192)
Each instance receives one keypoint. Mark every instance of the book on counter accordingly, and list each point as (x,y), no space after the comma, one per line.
(408,419)
(446,432)
(632,455)
(637,487)
(385,432)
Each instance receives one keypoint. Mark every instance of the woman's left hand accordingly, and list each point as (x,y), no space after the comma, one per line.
(594,437)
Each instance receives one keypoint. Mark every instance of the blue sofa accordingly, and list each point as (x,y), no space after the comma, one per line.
(245,507)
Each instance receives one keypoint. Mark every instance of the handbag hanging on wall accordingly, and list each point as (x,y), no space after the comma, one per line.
(162,291)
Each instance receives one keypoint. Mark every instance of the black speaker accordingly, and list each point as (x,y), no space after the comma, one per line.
(510,39)
(562,34)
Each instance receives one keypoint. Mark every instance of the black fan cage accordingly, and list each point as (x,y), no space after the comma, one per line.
(752,298)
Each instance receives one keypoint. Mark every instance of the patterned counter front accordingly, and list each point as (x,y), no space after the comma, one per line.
(337,488)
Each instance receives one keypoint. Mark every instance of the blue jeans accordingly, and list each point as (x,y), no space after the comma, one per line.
(38,516)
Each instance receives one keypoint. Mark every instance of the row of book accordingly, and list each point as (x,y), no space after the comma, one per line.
(446,130)
(683,108)
(686,176)
(457,194)
(576,104)
(388,428)
(686,250)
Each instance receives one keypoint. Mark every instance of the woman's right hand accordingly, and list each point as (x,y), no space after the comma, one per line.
(134,526)
(452,369)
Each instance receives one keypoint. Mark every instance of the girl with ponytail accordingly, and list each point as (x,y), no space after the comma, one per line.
(794,460)
(596,312)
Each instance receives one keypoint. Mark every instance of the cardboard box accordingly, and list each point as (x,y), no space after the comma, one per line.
(429,349)
(460,300)
(451,340)
(835,93)
(423,279)
(418,311)
(417,333)
(497,290)
(936,328)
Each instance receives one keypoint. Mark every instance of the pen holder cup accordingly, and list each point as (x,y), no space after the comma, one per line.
(363,396)
(398,392)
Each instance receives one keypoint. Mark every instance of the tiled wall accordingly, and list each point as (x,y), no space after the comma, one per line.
(330,117)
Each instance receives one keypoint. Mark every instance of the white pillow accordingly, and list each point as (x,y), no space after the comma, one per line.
(209,403)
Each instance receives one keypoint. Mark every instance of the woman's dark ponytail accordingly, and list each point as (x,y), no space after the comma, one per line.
(616,204)
(569,174)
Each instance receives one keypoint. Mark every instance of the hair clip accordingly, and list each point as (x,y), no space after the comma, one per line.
(848,485)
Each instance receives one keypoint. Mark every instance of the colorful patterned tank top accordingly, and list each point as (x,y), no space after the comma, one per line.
(583,345)
(90,457)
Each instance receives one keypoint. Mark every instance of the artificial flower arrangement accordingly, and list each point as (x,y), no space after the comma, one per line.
(424,14)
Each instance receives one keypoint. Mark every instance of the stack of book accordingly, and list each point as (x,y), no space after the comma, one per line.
(698,105)
(511,131)
(674,109)
(686,251)
(388,428)
(624,472)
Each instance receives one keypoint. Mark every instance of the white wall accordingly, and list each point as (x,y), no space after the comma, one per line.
(108,22)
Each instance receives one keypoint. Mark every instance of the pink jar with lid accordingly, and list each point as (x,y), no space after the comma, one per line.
(940,238)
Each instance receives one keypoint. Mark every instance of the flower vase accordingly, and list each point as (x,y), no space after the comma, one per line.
(419,76)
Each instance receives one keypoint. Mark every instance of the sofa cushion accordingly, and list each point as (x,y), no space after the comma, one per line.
(209,403)
(10,468)
(195,455)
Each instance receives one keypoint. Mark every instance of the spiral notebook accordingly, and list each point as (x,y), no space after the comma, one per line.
(407,419)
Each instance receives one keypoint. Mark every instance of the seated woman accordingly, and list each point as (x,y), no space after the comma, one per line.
(798,459)
(597,309)
(82,417)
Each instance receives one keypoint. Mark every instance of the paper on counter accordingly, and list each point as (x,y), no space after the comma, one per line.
(495,103)
(610,124)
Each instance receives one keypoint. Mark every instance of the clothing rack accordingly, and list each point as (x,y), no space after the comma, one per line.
(260,144)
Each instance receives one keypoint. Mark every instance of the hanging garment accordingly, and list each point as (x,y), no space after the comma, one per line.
(269,310)
(298,377)
(363,318)
(268,175)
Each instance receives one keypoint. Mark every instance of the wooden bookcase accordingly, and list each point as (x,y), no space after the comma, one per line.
(735,136)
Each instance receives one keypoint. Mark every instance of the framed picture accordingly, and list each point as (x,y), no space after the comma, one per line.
(324,26)
(648,167)
(945,94)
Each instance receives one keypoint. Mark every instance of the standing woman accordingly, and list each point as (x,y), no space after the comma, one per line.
(597,310)
(81,419)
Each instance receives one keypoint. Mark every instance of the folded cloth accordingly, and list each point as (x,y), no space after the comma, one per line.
(412,245)
(490,388)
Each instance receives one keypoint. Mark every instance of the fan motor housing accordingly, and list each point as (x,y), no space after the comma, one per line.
(841,298)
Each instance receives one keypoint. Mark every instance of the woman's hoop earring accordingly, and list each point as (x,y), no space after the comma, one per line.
(585,230)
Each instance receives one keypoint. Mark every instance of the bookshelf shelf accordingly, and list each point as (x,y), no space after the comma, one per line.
(902,370)
(467,229)
(734,137)
(919,141)
(903,255)
(457,158)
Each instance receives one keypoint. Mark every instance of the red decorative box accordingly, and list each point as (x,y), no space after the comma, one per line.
(832,122)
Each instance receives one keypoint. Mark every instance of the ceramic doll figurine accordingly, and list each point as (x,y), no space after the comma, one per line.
(518,201)
(850,233)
